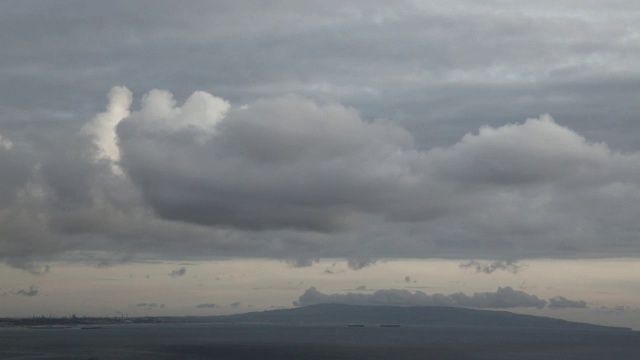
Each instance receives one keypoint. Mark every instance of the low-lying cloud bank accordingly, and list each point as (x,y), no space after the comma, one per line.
(560,302)
(292,178)
(488,268)
(503,298)
(205,306)
(30,292)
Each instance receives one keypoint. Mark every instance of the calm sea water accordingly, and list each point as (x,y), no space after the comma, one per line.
(218,341)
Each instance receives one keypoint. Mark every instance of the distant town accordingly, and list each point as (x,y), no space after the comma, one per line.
(77,321)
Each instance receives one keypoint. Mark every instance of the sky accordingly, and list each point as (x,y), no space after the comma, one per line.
(211,157)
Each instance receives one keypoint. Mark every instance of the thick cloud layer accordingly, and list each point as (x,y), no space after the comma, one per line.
(289,177)
(355,129)
(503,298)
(289,163)
(275,164)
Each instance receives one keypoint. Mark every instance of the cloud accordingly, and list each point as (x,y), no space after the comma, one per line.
(151,306)
(102,127)
(618,309)
(488,268)
(206,306)
(290,164)
(321,164)
(291,177)
(30,292)
(503,298)
(301,262)
(28,266)
(235,304)
(560,302)
(178,272)
(317,173)
(360,263)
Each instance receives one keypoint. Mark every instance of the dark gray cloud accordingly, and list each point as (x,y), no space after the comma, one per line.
(560,302)
(618,309)
(301,262)
(291,171)
(205,306)
(409,279)
(503,298)
(322,164)
(460,64)
(360,263)
(407,138)
(178,272)
(488,268)
(235,304)
(31,291)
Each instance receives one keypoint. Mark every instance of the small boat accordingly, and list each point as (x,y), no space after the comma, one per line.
(389,325)
(355,325)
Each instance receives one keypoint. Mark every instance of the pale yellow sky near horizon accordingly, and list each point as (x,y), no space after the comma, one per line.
(609,286)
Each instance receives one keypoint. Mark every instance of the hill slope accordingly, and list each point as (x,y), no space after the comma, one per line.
(418,315)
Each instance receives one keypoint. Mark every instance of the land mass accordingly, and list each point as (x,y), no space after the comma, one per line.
(339,314)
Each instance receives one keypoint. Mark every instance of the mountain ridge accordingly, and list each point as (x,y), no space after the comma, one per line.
(410,315)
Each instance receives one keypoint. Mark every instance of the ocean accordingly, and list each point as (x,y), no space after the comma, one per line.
(295,341)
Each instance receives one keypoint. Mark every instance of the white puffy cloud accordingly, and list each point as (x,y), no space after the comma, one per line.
(102,127)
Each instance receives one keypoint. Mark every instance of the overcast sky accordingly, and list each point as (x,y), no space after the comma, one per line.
(299,130)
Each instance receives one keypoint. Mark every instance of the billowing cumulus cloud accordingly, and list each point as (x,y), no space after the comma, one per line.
(102,127)
(503,298)
(407,138)
(422,134)
(285,163)
(291,164)
(290,177)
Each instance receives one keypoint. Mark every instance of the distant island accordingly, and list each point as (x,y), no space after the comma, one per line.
(336,314)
